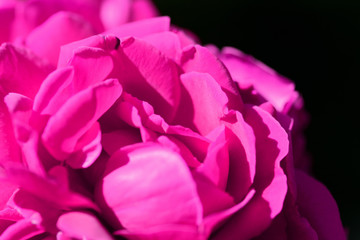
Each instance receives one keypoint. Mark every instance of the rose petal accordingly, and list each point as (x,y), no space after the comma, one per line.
(206,102)
(247,71)
(318,206)
(216,164)
(114,140)
(54,91)
(145,166)
(9,149)
(168,43)
(7,14)
(61,28)
(104,42)
(114,13)
(142,9)
(77,116)
(166,231)
(213,199)
(17,62)
(82,225)
(200,59)
(242,155)
(21,230)
(91,66)
(270,181)
(53,192)
(148,75)
(141,28)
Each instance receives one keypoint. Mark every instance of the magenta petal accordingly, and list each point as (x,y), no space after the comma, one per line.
(114,13)
(104,42)
(87,149)
(61,28)
(54,91)
(200,59)
(53,192)
(21,230)
(206,104)
(7,15)
(91,66)
(146,166)
(216,164)
(142,9)
(82,225)
(247,71)
(141,28)
(180,148)
(17,62)
(213,199)
(9,149)
(77,116)
(163,232)
(319,207)
(242,155)
(168,43)
(270,181)
(148,75)
(114,140)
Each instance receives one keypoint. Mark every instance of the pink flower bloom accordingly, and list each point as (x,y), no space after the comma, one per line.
(112,129)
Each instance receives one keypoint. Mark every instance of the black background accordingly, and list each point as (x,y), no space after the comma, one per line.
(316,44)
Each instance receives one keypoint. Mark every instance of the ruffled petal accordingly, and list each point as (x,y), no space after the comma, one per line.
(247,71)
(202,104)
(61,28)
(270,182)
(64,129)
(82,225)
(148,75)
(216,164)
(146,166)
(200,59)
(242,155)
(20,70)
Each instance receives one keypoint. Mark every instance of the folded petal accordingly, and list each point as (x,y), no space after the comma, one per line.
(200,59)
(104,42)
(64,129)
(270,182)
(242,155)
(216,164)
(61,28)
(21,230)
(148,75)
(20,70)
(247,71)
(82,225)
(203,102)
(54,91)
(146,166)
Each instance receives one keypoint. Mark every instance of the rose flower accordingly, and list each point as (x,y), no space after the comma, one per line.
(134,130)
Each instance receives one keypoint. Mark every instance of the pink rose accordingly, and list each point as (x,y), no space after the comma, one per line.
(141,132)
